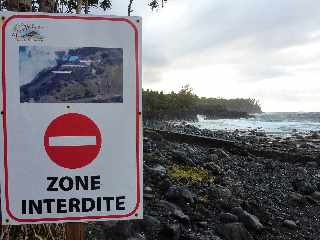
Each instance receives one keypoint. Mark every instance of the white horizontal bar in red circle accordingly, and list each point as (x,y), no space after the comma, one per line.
(64,141)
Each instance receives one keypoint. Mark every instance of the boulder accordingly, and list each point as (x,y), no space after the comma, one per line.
(315,135)
(150,223)
(214,168)
(179,195)
(301,171)
(175,211)
(217,192)
(295,198)
(158,170)
(170,232)
(234,231)
(316,196)
(223,153)
(228,218)
(120,230)
(249,220)
(182,157)
(312,164)
(303,187)
(148,196)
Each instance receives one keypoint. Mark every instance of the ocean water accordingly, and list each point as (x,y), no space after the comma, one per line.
(272,123)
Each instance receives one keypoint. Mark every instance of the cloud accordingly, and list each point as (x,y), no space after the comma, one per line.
(268,49)
(153,74)
(266,23)
(258,27)
(255,72)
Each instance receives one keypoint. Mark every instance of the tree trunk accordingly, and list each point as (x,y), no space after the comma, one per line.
(79,6)
(86,9)
(46,6)
(13,5)
(75,231)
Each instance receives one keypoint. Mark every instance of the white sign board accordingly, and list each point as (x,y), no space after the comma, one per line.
(71,132)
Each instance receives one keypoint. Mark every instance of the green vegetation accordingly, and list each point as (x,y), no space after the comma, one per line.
(70,6)
(188,174)
(186,105)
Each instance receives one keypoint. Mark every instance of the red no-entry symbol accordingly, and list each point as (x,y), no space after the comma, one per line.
(72,140)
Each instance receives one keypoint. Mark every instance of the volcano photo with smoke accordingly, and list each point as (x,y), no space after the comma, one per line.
(82,75)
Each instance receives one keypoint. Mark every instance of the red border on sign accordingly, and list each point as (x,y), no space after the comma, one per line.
(4,121)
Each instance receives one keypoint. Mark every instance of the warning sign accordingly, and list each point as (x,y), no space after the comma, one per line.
(71,123)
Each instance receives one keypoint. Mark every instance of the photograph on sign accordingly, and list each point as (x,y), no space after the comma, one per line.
(79,75)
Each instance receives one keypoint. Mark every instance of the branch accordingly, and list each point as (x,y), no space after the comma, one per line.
(130,8)
(86,8)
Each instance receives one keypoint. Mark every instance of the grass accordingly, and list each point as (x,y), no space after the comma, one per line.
(34,232)
(189,174)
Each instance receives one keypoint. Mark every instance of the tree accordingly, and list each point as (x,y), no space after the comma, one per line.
(68,6)
(46,6)
(16,5)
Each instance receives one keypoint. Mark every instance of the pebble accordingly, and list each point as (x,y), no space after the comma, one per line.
(214,157)
(312,164)
(290,224)
(147,189)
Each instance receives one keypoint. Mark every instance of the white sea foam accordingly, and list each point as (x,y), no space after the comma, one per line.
(272,123)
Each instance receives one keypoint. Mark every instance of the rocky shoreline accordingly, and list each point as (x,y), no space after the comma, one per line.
(195,191)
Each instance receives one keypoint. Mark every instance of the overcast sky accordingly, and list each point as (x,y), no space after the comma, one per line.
(266,49)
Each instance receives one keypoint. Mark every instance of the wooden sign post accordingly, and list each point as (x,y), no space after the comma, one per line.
(75,231)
